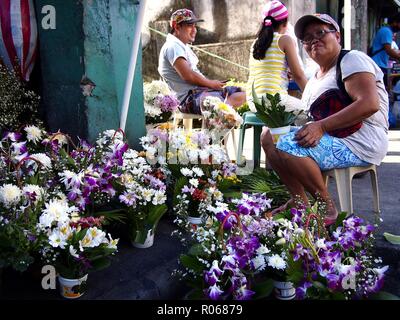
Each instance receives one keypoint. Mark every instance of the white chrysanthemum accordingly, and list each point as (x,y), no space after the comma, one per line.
(194,182)
(263,250)
(187,172)
(34,189)
(33,133)
(154,88)
(151,111)
(276,262)
(43,159)
(147,194)
(10,195)
(159,198)
(198,171)
(55,211)
(259,263)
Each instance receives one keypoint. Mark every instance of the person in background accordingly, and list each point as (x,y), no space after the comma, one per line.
(381,48)
(272,55)
(178,67)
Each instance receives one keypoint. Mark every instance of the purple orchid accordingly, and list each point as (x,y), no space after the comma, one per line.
(12,136)
(210,278)
(301,290)
(243,293)
(214,292)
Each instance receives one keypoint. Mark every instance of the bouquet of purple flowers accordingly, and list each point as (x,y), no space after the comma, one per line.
(160,102)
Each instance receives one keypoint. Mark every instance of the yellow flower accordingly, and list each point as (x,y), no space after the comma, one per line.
(170,155)
(166,126)
(224,107)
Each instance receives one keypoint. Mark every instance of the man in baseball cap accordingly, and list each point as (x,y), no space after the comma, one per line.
(177,65)
(316,17)
(183,15)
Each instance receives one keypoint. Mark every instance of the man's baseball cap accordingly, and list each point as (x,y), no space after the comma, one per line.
(302,23)
(183,15)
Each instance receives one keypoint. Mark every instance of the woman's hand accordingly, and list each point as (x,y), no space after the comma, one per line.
(310,134)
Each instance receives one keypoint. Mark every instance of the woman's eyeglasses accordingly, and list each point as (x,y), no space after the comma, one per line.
(308,38)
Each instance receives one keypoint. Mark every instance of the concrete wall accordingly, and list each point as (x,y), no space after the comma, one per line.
(62,67)
(237,51)
(225,20)
(91,43)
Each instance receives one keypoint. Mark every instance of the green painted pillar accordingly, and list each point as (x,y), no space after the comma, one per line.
(61,60)
(103,40)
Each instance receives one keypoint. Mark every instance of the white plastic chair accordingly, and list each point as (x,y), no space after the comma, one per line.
(187,119)
(344,179)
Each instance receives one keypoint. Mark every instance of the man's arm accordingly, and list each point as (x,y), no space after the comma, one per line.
(391,52)
(186,73)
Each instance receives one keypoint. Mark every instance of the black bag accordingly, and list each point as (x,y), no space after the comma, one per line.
(334,100)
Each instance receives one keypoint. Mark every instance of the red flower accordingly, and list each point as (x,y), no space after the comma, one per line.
(199,195)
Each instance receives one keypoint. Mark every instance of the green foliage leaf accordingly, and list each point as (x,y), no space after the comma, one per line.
(66,156)
(196,250)
(339,221)
(117,215)
(191,263)
(179,184)
(263,289)
(392,238)
(271,111)
(294,271)
(265,181)
(100,264)
(155,214)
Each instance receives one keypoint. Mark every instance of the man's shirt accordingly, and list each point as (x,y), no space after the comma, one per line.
(173,49)
(382,37)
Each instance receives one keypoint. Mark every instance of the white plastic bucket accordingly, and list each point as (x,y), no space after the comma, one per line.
(147,243)
(284,290)
(195,220)
(72,288)
(277,132)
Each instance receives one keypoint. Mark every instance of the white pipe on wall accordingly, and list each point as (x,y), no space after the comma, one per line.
(347,24)
(132,65)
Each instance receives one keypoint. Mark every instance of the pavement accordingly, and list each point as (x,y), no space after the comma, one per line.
(137,274)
